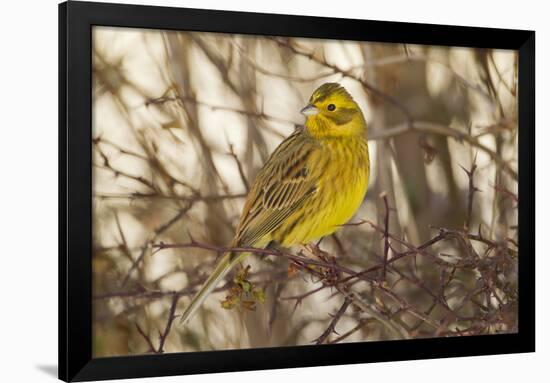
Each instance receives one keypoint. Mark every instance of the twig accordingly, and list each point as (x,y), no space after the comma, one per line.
(362,323)
(117,172)
(275,252)
(101,140)
(146,338)
(159,230)
(332,325)
(240,167)
(472,189)
(191,198)
(407,307)
(397,331)
(125,248)
(288,77)
(433,128)
(262,115)
(171,316)
(507,193)
(386,237)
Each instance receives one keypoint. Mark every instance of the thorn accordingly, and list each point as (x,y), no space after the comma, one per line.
(465,170)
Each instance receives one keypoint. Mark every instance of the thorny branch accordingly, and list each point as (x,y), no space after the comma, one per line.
(146,338)
(386,237)
(171,316)
(328,272)
(240,167)
(472,189)
(158,231)
(334,267)
(335,318)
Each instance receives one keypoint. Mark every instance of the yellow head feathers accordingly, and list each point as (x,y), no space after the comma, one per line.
(332,112)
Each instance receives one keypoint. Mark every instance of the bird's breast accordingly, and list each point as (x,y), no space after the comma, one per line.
(346,183)
(343,173)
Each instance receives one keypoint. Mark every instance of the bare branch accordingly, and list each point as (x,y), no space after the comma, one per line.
(332,326)
(171,316)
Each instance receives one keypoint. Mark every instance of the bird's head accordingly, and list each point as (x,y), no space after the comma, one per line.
(331,111)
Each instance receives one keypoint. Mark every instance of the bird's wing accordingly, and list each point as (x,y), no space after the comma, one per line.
(283,185)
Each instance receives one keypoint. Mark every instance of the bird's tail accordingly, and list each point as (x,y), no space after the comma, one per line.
(225,264)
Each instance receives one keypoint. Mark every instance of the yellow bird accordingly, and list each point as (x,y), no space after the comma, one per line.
(313,183)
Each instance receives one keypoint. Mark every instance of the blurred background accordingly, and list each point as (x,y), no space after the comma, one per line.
(182,122)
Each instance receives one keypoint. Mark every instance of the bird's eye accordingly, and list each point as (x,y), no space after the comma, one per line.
(331,107)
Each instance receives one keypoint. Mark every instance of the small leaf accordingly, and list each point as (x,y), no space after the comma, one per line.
(292,270)
(248,305)
(245,286)
(230,302)
(259,294)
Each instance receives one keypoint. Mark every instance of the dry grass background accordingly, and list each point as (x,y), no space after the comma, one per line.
(182,122)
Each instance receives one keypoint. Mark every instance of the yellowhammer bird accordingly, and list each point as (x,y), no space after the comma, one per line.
(313,182)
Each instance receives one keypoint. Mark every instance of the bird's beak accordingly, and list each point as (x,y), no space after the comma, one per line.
(309,110)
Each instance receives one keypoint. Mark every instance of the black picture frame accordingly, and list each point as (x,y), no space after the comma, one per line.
(75,190)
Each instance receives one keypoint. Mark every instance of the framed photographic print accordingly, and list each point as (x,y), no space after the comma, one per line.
(327,191)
